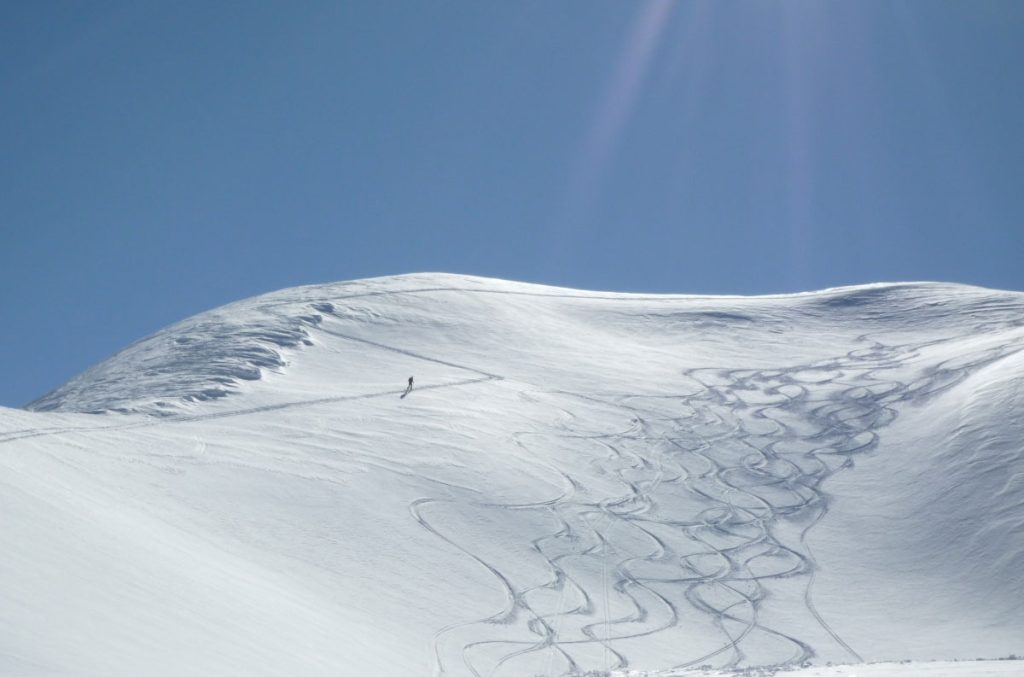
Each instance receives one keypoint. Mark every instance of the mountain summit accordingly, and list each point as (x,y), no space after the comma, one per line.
(576,481)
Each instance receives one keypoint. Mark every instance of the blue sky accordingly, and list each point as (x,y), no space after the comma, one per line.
(161,158)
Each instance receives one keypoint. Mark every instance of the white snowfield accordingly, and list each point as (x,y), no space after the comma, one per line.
(578,482)
(977,668)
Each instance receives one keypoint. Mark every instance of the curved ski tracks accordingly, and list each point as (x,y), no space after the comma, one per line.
(725,456)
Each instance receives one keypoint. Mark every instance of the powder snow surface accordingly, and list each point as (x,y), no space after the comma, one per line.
(977,668)
(577,482)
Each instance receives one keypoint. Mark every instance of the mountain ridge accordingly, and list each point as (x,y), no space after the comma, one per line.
(244,351)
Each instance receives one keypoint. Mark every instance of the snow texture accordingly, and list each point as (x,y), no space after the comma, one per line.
(578,481)
(978,668)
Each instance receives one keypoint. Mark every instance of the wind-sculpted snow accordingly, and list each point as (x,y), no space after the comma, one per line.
(577,482)
(196,360)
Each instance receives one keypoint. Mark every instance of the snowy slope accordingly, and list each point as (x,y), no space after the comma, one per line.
(578,481)
(974,668)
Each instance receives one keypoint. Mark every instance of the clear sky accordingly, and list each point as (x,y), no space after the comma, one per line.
(161,158)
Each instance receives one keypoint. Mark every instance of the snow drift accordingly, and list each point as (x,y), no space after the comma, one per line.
(579,481)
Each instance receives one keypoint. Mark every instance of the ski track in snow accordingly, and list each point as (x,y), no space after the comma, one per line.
(747,485)
(717,489)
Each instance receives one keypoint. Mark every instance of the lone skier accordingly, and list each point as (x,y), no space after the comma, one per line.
(408,389)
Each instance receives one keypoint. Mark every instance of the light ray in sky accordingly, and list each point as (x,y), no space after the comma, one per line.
(801,28)
(624,89)
(689,61)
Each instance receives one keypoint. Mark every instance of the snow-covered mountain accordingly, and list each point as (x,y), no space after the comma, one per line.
(577,481)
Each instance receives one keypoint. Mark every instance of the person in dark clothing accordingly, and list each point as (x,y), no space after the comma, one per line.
(408,388)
